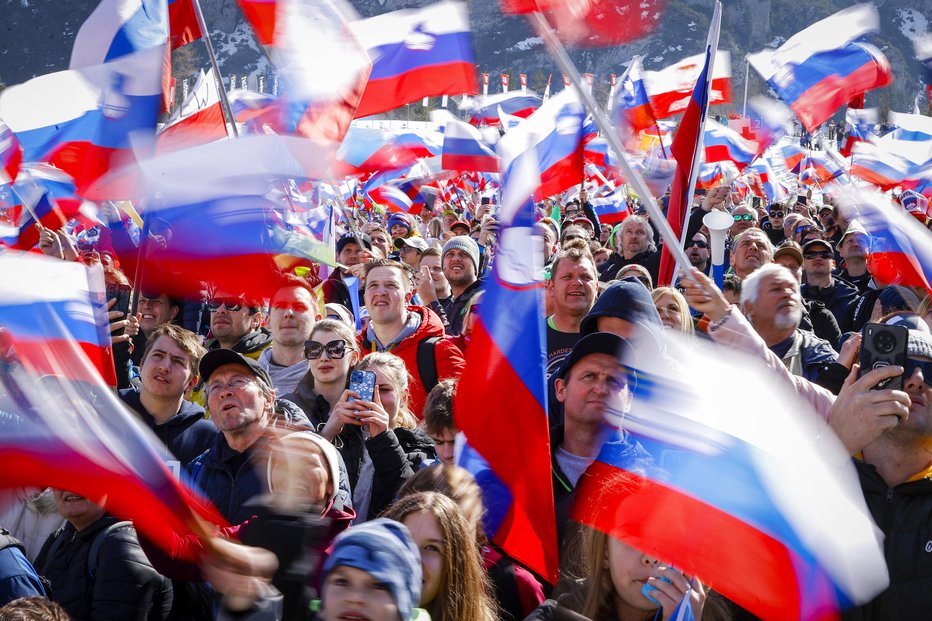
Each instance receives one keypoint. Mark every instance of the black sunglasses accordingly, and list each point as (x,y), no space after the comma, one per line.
(776,214)
(745,216)
(335,349)
(694,242)
(825,254)
(911,366)
(231,305)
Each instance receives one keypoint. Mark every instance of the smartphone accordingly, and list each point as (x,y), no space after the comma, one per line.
(802,200)
(121,294)
(363,383)
(882,346)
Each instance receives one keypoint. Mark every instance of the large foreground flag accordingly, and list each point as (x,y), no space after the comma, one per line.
(687,145)
(507,356)
(784,534)
(415,54)
(117,28)
(671,88)
(826,65)
(63,426)
(89,118)
(900,249)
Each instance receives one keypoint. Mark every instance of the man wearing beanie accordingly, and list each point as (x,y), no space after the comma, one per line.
(379,551)
(460,262)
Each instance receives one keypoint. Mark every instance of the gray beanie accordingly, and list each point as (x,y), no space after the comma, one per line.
(467,245)
(383,548)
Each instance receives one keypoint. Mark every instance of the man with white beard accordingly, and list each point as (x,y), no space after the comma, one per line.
(770,300)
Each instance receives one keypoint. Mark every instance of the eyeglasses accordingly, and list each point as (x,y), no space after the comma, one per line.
(699,243)
(335,349)
(911,366)
(825,254)
(802,230)
(776,214)
(231,305)
(237,383)
(743,216)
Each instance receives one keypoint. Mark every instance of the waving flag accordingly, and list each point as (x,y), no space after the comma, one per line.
(880,167)
(771,186)
(710,176)
(900,249)
(507,355)
(859,124)
(183,25)
(687,145)
(417,53)
(823,67)
(199,119)
(792,155)
(514,104)
(632,104)
(89,116)
(724,144)
(464,149)
(378,151)
(51,322)
(911,137)
(786,536)
(611,209)
(261,15)
(770,121)
(671,88)
(594,24)
(391,199)
(118,28)
(549,146)
(11,154)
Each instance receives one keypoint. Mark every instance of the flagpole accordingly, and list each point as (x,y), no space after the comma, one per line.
(563,60)
(224,102)
(747,73)
(712,47)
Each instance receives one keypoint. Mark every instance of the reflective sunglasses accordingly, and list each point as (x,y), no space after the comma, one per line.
(698,243)
(335,349)
(824,254)
(746,217)
(776,214)
(802,230)
(231,305)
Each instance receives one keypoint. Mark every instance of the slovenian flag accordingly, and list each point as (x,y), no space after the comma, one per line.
(464,149)
(723,144)
(415,54)
(632,105)
(825,66)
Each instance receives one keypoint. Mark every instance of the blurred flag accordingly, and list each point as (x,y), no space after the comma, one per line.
(769,120)
(464,149)
(632,105)
(594,23)
(784,534)
(823,67)
(671,88)
(488,109)
(724,144)
(89,118)
(197,120)
(63,426)
(183,25)
(710,176)
(911,137)
(118,28)
(261,15)
(547,147)
(880,167)
(507,356)
(417,53)
(611,209)
(770,184)
(11,154)
(859,125)
(792,155)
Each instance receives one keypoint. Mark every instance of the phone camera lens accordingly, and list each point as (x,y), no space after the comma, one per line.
(884,342)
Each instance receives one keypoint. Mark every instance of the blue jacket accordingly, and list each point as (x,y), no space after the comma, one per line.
(187,434)
(18,578)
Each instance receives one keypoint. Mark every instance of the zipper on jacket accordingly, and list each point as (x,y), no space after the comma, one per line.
(890,493)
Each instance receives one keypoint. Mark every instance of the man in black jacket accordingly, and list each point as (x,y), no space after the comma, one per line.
(820,285)
(635,244)
(235,324)
(168,369)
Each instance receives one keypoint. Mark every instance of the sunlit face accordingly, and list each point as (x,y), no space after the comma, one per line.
(630,570)
(386,294)
(595,385)
(751,252)
(350,255)
(778,303)
(292,315)
(235,399)
(155,312)
(350,593)
(635,238)
(670,314)
(233,325)
(429,540)
(166,371)
(573,286)
(327,370)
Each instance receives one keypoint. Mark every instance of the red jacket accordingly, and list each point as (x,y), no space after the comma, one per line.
(450,361)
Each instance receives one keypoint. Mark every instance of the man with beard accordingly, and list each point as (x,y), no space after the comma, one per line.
(750,251)
(697,251)
(770,300)
(635,244)
(460,261)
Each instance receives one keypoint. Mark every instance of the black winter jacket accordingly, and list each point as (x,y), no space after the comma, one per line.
(250,345)
(187,434)
(336,292)
(650,260)
(124,587)
(837,298)
(904,514)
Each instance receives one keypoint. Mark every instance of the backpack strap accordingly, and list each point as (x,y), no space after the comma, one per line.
(9,541)
(99,539)
(427,362)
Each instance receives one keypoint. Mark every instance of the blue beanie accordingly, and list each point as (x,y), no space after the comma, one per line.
(398,218)
(384,549)
(624,299)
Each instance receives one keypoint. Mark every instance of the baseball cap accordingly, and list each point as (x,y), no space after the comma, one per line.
(595,343)
(461,223)
(791,250)
(349,238)
(812,243)
(418,243)
(216,358)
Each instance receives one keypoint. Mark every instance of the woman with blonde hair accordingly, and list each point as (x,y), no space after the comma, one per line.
(455,587)
(673,309)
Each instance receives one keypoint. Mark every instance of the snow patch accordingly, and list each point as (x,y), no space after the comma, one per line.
(657,59)
(777,41)
(913,24)
(526,44)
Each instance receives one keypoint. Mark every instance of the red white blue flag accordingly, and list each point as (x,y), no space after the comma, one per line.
(489,109)
(632,105)
(724,144)
(118,28)
(671,88)
(415,54)
(825,66)
(465,149)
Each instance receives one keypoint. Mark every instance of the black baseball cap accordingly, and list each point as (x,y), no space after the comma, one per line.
(216,358)
(812,243)
(595,343)
(349,238)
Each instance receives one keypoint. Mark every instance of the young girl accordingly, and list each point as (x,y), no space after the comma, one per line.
(379,439)
(455,586)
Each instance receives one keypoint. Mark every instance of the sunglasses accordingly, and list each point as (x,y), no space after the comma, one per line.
(776,214)
(231,305)
(335,349)
(802,230)
(699,243)
(911,366)
(825,254)
(746,217)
